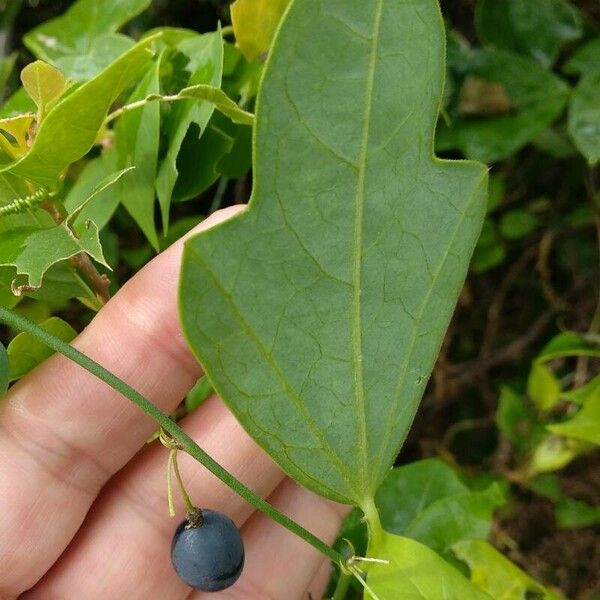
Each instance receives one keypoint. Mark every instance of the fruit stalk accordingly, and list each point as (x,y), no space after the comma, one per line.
(187,443)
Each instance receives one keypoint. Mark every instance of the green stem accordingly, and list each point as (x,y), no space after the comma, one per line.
(187,443)
(343,585)
(373,522)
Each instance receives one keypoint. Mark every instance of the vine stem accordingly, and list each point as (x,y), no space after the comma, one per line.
(187,443)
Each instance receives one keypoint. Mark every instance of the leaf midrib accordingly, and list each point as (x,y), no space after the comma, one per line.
(357,258)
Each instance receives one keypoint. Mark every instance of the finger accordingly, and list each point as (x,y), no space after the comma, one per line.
(133,510)
(63,433)
(278,563)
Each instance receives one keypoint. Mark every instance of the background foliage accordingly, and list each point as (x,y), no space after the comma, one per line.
(511,418)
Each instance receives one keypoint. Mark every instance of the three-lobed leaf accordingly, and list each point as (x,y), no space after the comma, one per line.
(318,312)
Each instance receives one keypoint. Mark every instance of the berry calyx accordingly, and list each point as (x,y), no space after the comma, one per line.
(207,551)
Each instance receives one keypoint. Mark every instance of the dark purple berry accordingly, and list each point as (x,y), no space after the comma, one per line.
(209,555)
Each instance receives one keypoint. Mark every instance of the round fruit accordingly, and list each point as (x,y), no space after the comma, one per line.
(208,552)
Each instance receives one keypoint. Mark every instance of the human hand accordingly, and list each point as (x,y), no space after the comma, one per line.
(84,509)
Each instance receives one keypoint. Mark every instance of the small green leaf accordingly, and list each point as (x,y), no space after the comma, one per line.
(584,117)
(27,352)
(82,42)
(221,101)
(517,421)
(537,28)
(4,371)
(324,304)
(72,125)
(45,84)
(517,224)
(255,23)
(415,572)
(574,514)
(543,387)
(568,344)
(553,453)
(585,60)
(206,64)
(585,425)
(7,64)
(34,251)
(496,575)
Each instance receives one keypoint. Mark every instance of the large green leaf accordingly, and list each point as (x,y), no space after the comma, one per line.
(536,99)
(71,127)
(496,575)
(584,117)
(539,28)
(206,64)
(318,312)
(27,352)
(83,41)
(415,572)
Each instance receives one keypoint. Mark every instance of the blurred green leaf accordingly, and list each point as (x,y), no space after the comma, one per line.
(496,191)
(415,572)
(537,97)
(539,28)
(20,102)
(496,575)
(4,371)
(71,127)
(585,425)
(26,352)
(584,117)
(45,84)
(517,224)
(83,41)
(582,394)
(568,344)
(553,453)
(517,421)
(137,136)
(543,387)
(574,514)
(489,252)
(7,65)
(198,394)
(427,502)
(585,60)
(255,23)
(206,64)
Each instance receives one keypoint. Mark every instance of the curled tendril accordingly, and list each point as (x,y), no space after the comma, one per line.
(21,205)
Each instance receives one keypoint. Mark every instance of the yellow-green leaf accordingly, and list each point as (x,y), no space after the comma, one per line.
(255,23)
(543,387)
(45,84)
